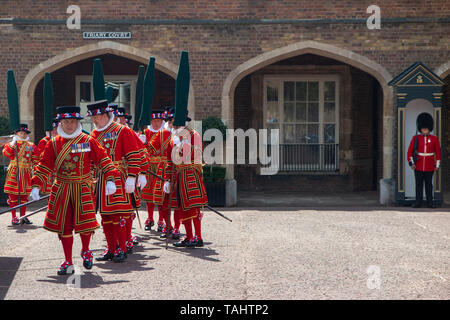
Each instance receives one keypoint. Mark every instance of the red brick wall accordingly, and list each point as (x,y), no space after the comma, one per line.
(216,49)
(219,9)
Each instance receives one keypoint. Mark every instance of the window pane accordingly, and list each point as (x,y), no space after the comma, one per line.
(329,112)
(329,90)
(300,132)
(313,91)
(272,90)
(272,113)
(313,112)
(300,112)
(289,112)
(85,91)
(288,91)
(288,133)
(300,91)
(313,133)
(329,133)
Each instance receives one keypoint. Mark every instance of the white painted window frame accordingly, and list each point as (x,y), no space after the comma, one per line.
(281,78)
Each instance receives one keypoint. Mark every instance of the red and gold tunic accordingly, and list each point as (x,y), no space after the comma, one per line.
(158,156)
(147,192)
(121,146)
(72,160)
(28,157)
(40,149)
(189,189)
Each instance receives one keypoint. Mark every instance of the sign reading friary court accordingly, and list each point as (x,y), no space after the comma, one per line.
(107,35)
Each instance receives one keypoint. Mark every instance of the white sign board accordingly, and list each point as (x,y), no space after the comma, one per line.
(107,35)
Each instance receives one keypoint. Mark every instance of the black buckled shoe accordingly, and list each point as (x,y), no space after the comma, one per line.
(185,243)
(198,242)
(26,221)
(130,247)
(134,240)
(119,256)
(107,256)
(164,233)
(161,226)
(87,259)
(66,268)
(149,224)
(181,243)
(176,234)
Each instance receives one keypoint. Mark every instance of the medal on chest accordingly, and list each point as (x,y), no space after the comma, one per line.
(28,149)
(80,147)
(109,136)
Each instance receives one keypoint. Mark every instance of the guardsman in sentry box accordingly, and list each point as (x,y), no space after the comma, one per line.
(424,157)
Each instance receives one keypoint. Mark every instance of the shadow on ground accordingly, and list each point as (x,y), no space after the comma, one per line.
(8,270)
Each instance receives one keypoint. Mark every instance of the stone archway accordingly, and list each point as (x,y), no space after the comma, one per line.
(32,78)
(329,51)
(443,70)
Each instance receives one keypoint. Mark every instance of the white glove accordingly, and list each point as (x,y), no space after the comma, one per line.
(130,185)
(142,181)
(176,140)
(166,187)
(110,188)
(143,138)
(34,195)
(14,140)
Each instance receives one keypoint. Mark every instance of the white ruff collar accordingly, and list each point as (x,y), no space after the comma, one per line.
(76,133)
(23,140)
(150,127)
(111,119)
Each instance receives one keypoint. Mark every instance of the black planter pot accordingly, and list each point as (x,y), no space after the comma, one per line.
(216,194)
(3,196)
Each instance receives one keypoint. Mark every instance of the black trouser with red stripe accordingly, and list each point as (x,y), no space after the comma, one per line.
(421,177)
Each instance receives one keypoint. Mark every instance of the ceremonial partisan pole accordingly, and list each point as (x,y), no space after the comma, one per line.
(207,206)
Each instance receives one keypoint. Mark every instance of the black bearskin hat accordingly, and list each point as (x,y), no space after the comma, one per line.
(425,120)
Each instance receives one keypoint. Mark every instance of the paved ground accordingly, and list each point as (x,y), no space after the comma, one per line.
(265,253)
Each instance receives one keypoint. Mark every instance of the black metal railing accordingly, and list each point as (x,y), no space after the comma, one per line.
(309,157)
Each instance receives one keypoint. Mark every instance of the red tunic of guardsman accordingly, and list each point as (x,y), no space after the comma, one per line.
(40,150)
(71,155)
(23,155)
(155,157)
(121,145)
(184,170)
(424,157)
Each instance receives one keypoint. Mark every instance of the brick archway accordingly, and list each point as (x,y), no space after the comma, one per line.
(325,50)
(32,78)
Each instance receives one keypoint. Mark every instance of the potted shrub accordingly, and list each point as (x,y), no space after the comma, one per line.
(214,175)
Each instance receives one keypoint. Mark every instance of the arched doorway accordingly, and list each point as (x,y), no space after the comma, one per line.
(364,145)
(28,87)
(72,85)
(325,50)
